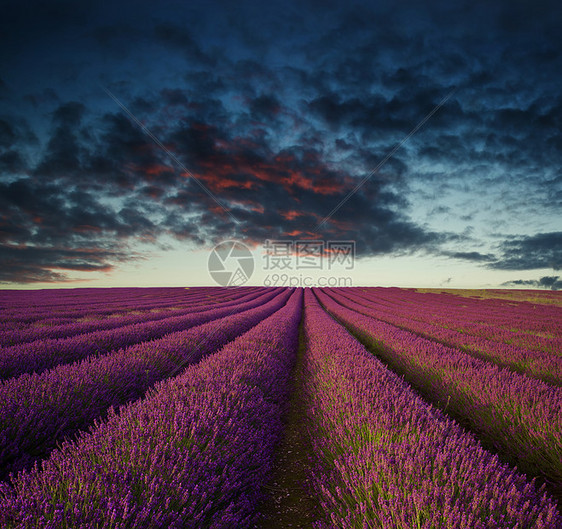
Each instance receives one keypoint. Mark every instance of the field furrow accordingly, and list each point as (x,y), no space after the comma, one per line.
(23,310)
(546,366)
(44,354)
(386,458)
(155,313)
(271,408)
(192,454)
(55,404)
(520,417)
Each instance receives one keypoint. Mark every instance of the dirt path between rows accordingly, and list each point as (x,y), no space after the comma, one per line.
(288,502)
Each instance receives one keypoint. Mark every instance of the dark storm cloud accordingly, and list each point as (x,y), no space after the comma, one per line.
(279,112)
(7,134)
(264,107)
(64,150)
(123,158)
(51,215)
(287,193)
(12,162)
(44,228)
(174,97)
(274,193)
(471,256)
(53,220)
(376,112)
(46,97)
(180,39)
(42,264)
(196,141)
(15,137)
(548,282)
(514,111)
(543,250)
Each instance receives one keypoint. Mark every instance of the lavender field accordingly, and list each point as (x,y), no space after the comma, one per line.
(255,407)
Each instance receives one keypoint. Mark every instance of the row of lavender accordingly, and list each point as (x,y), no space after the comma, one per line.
(192,454)
(39,410)
(545,365)
(510,312)
(40,355)
(519,416)
(531,325)
(31,305)
(109,304)
(82,325)
(48,318)
(501,319)
(196,450)
(37,300)
(383,457)
(519,323)
(53,299)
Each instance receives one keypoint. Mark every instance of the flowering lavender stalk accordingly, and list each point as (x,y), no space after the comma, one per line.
(37,411)
(536,327)
(43,354)
(153,312)
(192,454)
(519,416)
(545,365)
(31,306)
(383,457)
(19,307)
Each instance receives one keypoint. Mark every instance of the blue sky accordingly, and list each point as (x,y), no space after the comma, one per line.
(279,111)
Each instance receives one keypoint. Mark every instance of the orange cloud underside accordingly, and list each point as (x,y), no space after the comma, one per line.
(229,168)
(292,214)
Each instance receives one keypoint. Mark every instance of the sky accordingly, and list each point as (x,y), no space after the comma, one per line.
(137,136)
